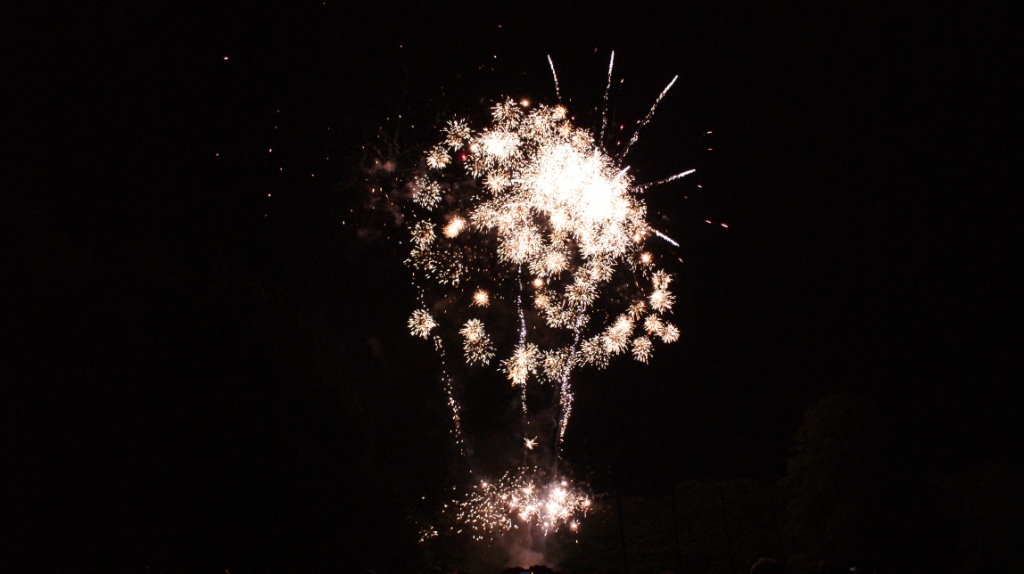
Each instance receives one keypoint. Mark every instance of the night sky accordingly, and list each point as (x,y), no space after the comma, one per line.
(206,359)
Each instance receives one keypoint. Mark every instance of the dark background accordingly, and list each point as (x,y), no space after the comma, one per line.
(206,359)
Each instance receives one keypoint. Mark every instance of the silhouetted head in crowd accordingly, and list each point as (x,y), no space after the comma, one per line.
(766,565)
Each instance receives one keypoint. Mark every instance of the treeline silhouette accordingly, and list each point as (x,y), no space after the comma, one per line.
(847,503)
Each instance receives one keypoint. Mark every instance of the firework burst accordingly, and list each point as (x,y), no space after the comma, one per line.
(521,500)
(529,250)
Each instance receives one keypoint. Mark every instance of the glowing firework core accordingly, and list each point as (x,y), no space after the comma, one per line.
(550,186)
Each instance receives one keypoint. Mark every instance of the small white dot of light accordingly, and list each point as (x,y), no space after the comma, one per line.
(538,282)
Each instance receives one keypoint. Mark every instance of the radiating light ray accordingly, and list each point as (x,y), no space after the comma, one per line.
(643,187)
(647,118)
(665,237)
(554,74)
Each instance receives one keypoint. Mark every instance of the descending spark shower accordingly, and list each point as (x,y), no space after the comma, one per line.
(529,256)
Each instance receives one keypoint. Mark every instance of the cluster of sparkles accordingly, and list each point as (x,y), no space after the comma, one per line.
(522,498)
(421,323)
(551,203)
(476,343)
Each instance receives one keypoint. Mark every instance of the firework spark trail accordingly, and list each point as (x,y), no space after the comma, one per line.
(453,404)
(422,324)
(604,106)
(558,92)
(647,118)
(565,383)
(646,186)
(522,341)
(565,403)
(665,237)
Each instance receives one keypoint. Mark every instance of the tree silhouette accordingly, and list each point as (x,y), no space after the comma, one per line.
(835,481)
